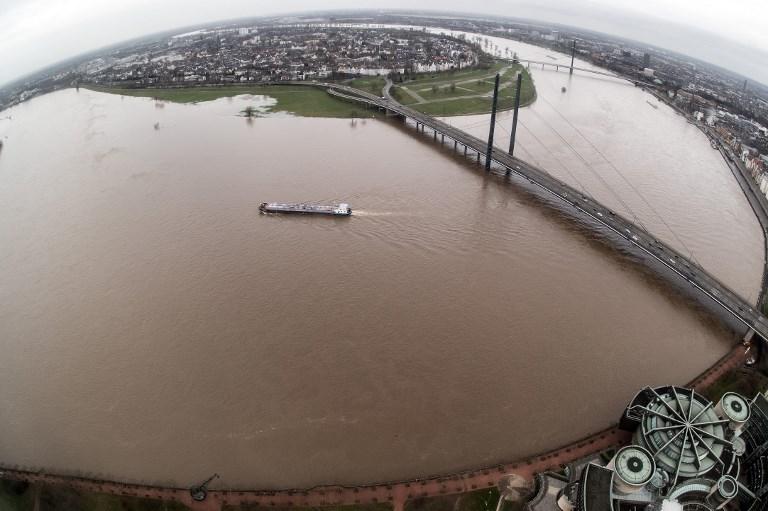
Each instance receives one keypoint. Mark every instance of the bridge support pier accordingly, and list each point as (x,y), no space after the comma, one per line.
(478,158)
(442,139)
(455,145)
(465,150)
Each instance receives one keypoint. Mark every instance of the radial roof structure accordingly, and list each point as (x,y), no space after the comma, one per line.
(682,432)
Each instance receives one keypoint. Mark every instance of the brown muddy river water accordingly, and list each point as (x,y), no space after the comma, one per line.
(155,327)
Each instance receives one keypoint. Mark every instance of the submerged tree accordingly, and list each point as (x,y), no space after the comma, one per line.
(249,112)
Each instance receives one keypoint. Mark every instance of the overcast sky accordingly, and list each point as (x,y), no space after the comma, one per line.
(733,34)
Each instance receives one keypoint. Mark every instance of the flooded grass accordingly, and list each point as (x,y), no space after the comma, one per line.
(301,101)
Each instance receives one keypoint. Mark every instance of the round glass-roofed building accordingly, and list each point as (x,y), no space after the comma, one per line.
(735,408)
(633,468)
(681,430)
(687,454)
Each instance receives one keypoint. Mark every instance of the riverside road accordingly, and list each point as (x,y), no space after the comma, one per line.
(696,277)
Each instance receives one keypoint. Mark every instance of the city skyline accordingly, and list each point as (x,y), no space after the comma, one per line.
(36,36)
(383,260)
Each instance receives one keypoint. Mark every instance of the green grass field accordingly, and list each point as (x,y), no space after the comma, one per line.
(465,92)
(743,380)
(18,497)
(480,500)
(297,100)
(447,93)
(359,507)
(472,73)
(372,84)
(15,497)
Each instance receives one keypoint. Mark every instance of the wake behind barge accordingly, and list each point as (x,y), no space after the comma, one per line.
(342,209)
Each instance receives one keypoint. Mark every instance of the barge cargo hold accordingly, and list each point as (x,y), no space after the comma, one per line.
(342,209)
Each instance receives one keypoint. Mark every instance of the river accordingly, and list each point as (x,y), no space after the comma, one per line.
(155,327)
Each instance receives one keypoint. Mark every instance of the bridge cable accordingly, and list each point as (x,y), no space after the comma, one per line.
(594,172)
(562,165)
(501,126)
(530,157)
(625,179)
(475,124)
(565,167)
(588,166)
(484,122)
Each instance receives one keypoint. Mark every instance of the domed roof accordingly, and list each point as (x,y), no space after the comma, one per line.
(634,465)
(735,407)
(682,432)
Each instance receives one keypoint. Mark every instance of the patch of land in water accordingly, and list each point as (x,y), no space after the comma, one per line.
(465,92)
(459,92)
(296,100)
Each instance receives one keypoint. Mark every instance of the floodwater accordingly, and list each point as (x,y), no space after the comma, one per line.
(155,327)
(634,154)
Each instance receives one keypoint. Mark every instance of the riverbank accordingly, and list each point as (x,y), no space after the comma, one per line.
(301,101)
(447,93)
(395,494)
(756,199)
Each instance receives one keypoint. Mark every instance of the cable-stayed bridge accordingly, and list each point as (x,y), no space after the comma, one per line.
(700,281)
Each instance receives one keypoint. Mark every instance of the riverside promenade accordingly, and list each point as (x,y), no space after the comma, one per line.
(396,493)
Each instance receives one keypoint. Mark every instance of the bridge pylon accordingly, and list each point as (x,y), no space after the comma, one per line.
(489,152)
(573,54)
(514,115)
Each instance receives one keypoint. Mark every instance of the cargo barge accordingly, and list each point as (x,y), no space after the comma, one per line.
(342,209)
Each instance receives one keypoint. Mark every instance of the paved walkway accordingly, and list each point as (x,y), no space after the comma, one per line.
(394,493)
(444,85)
(413,94)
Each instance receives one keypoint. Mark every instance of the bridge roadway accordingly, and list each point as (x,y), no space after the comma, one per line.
(557,67)
(568,66)
(698,278)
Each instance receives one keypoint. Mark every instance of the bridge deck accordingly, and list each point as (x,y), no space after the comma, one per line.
(559,65)
(697,277)
(568,66)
